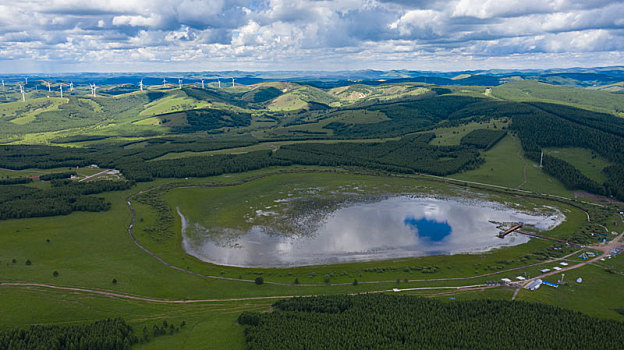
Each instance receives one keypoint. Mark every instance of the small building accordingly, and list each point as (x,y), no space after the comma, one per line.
(583,256)
(520,278)
(591,254)
(534,285)
(556,268)
(579,280)
(544,270)
(506,280)
(554,285)
(563,263)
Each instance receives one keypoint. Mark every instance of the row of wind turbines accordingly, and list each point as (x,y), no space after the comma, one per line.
(94,87)
(180,83)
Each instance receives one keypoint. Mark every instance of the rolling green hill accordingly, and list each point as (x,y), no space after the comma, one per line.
(92,191)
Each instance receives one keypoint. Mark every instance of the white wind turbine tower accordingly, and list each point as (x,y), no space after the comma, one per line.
(22,91)
(180,82)
(71,86)
(49,86)
(93,88)
(26,80)
(141,84)
(202,83)
(61,88)
(232,82)
(219,81)
(2,84)
(164,83)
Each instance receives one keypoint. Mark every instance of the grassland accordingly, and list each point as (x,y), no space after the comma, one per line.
(505,166)
(587,161)
(592,296)
(92,255)
(529,90)
(89,250)
(450,136)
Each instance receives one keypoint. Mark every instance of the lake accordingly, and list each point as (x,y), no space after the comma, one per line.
(394,227)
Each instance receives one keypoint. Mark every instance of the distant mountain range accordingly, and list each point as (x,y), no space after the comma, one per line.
(609,78)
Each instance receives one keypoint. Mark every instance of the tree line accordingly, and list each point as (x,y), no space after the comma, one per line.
(483,138)
(541,128)
(407,155)
(109,334)
(385,321)
(65,197)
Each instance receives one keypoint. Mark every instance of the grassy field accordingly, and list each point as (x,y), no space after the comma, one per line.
(452,136)
(529,90)
(208,325)
(593,296)
(235,203)
(585,160)
(90,250)
(91,256)
(505,166)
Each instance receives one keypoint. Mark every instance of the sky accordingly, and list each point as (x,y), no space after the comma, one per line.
(53,36)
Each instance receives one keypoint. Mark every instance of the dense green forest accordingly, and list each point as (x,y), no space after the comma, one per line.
(65,196)
(56,176)
(408,155)
(483,138)
(537,125)
(109,334)
(540,129)
(207,119)
(15,181)
(384,321)
(405,116)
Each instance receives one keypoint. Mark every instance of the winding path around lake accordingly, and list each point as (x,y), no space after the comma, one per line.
(161,260)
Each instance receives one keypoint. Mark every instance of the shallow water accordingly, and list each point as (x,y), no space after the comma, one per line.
(396,227)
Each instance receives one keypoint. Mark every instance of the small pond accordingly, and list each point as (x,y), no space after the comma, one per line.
(394,227)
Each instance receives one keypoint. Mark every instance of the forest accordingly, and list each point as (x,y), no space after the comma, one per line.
(408,155)
(109,334)
(385,321)
(537,125)
(483,138)
(208,119)
(408,116)
(543,129)
(65,196)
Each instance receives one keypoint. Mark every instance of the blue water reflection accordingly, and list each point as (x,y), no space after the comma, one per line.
(396,227)
(431,229)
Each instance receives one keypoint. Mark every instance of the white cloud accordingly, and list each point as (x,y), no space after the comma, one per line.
(308,33)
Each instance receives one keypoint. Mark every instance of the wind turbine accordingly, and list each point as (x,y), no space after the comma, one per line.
(202,83)
(164,83)
(232,82)
(61,88)
(22,91)
(49,85)
(2,84)
(71,86)
(93,88)
(26,80)
(141,84)
(180,82)
(219,81)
